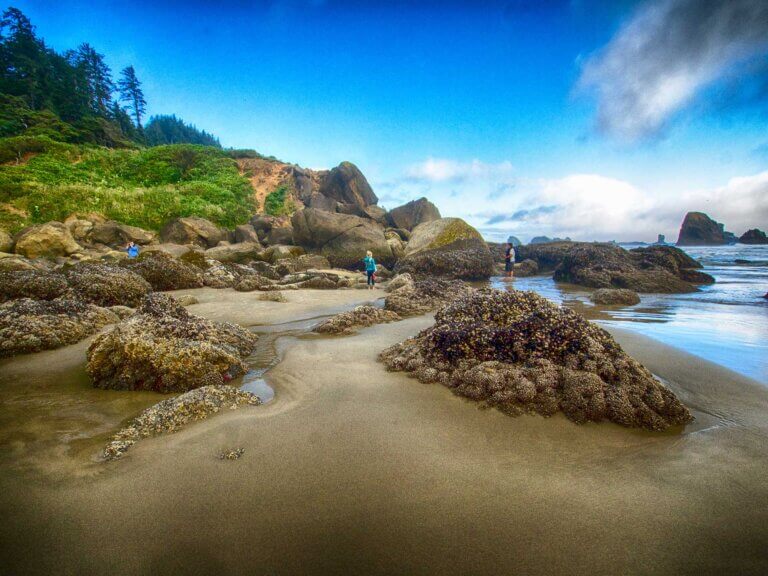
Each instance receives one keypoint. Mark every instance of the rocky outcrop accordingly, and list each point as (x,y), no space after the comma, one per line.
(35,284)
(245,233)
(698,229)
(164,348)
(280,235)
(192,230)
(114,234)
(106,285)
(448,248)
(518,352)
(411,298)
(547,240)
(46,241)
(241,253)
(28,325)
(342,238)
(753,236)
(410,215)
(163,272)
(174,413)
(614,296)
(359,317)
(346,185)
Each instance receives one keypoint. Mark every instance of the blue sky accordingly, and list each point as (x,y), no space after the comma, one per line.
(592,119)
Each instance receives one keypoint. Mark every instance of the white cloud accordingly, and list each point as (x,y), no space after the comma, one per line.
(446,170)
(667,54)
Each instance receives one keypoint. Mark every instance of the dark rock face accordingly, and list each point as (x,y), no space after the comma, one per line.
(754,236)
(448,248)
(347,185)
(164,272)
(342,238)
(114,234)
(192,230)
(614,296)
(410,215)
(107,285)
(28,325)
(698,229)
(35,284)
(164,348)
(518,352)
(661,269)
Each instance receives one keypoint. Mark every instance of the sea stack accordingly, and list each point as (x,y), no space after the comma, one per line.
(698,229)
(754,236)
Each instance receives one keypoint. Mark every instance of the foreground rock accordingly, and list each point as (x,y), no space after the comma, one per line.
(360,317)
(754,236)
(164,348)
(518,352)
(412,298)
(46,240)
(615,296)
(174,413)
(164,272)
(698,229)
(28,325)
(35,284)
(107,285)
(448,248)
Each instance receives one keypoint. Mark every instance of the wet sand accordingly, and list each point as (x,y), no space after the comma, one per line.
(353,470)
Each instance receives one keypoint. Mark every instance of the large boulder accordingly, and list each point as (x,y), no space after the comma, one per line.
(28,325)
(245,233)
(6,241)
(448,247)
(282,234)
(753,236)
(410,215)
(347,185)
(192,230)
(615,296)
(698,229)
(243,252)
(115,234)
(520,353)
(164,348)
(46,240)
(35,284)
(342,238)
(107,285)
(164,272)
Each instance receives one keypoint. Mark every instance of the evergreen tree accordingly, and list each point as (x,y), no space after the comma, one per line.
(171,130)
(23,59)
(98,77)
(130,92)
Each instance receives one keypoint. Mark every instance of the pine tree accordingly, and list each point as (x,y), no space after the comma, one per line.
(130,92)
(23,62)
(98,77)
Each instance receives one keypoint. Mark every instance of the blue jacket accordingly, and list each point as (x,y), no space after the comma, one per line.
(370,264)
(133,251)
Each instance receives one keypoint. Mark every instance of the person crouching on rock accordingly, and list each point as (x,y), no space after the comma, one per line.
(509,260)
(370,269)
(133,250)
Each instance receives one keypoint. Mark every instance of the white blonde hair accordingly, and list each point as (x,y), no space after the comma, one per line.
(369,254)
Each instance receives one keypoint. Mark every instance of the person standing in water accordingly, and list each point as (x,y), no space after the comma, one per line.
(509,259)
(132,249)
(370,269)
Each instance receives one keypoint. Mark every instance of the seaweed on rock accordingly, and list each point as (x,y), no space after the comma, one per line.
(518,352)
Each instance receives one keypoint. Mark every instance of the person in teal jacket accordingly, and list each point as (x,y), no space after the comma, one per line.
(133,250)
(370,269)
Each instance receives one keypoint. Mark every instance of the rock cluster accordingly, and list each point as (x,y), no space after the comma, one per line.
(412,298)
(518,352)
(28,325)
(172,414)
(614,296)
(164,348)
(359,317)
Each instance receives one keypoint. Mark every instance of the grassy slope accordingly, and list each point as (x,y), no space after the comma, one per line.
(42,179)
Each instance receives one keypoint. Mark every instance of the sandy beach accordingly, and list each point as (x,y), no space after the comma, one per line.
(351,469)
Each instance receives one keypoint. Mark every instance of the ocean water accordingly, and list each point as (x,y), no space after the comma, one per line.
(726,323)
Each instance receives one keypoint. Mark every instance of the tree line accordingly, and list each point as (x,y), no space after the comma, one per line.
(74,96)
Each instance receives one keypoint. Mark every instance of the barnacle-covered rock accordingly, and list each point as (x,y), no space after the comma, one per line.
(36,284)
(519,352)
(414,298)
(360,317)
(526,268)
(164,348)
(28,325)
(251,283)
(399,281)
(107,285)
(172,414)
(274,296)
(164,272)
(611,296)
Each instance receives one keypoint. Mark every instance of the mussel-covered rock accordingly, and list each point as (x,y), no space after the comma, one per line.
(614,296)
(28,325)
(519,352)
(164,348)
(414,298)
(360,317)
(164,272)
(172,414)
(35,284)
(107,285)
